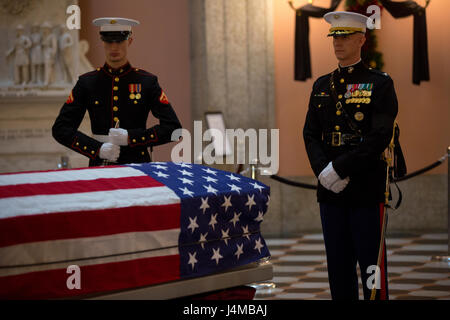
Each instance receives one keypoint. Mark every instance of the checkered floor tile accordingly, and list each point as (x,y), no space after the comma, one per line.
(300,268)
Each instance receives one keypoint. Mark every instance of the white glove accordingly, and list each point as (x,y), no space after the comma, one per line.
(118,136)
(109,151)
(328,176)
(340,185)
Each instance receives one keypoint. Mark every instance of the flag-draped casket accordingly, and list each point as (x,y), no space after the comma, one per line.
(127,226)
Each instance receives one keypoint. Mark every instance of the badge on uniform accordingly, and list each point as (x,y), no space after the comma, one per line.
(163,98)
(135,90)
(70,98)
(359,116)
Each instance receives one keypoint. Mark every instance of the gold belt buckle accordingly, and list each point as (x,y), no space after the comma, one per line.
(336,139)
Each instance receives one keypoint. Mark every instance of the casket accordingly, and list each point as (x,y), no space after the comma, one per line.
(154,227)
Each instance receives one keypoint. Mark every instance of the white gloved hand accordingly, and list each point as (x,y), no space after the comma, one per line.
(118,136)
(340,185)
(109,151)
(328,176)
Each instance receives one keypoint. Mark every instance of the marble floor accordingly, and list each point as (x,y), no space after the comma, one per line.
(300,268)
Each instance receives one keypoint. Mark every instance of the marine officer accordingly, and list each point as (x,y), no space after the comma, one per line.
(118,98)
(349,123)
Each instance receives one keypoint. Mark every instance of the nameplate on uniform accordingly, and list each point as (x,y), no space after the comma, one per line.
(322,94)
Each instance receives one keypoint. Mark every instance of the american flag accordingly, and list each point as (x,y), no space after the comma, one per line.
(125,226)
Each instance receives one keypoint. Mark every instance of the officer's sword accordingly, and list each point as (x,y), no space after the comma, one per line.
(106,162)
(388,158)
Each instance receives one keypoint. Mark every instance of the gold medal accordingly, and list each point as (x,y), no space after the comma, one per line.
(359,116)
(338,112)
(138,96)
(132,96)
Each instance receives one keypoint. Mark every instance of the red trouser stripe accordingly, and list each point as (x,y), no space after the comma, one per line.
(382,261)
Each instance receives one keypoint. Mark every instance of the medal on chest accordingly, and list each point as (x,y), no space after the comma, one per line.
(135,91)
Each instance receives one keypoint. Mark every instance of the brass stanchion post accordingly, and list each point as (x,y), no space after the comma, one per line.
(447,257)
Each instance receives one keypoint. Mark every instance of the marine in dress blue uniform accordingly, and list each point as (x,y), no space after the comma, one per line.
(345,133)
(118,101)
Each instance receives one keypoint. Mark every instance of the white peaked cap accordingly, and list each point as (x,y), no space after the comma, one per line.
(344,22)
(114,24)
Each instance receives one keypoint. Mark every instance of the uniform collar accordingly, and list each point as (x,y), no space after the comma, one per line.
(351,68)
(116,71)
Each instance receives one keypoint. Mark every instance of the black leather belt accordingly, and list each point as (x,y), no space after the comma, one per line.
(337,139)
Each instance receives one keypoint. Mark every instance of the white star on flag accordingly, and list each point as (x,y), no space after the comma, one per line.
(204,205)
(245,232)
(235,218)
(232,177)
(160,167)
(202,239)
(227,203)
(213,220)
(193,224)
(239,251)
(186,191)
(210,189)
(216,256)
(192,260)
(186,181)
(210,179)
(186,173)
(183,165)
(258,245)
(208,170)
(225,236)
(160,174)
(251,202)
(257,186)
(235,188)
(260,216)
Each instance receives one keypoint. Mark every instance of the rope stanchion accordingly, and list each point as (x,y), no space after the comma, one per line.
(446,258)
(294,183)
(409,176)
(423,170)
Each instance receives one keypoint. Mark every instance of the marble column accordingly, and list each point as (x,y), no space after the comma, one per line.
(232,61)
(232,71)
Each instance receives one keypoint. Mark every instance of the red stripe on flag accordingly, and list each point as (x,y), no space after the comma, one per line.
(78,186)
(67,225)
(62,170)
(93,278)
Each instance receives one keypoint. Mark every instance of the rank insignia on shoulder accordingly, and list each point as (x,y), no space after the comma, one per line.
(163,98)
(70,98)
